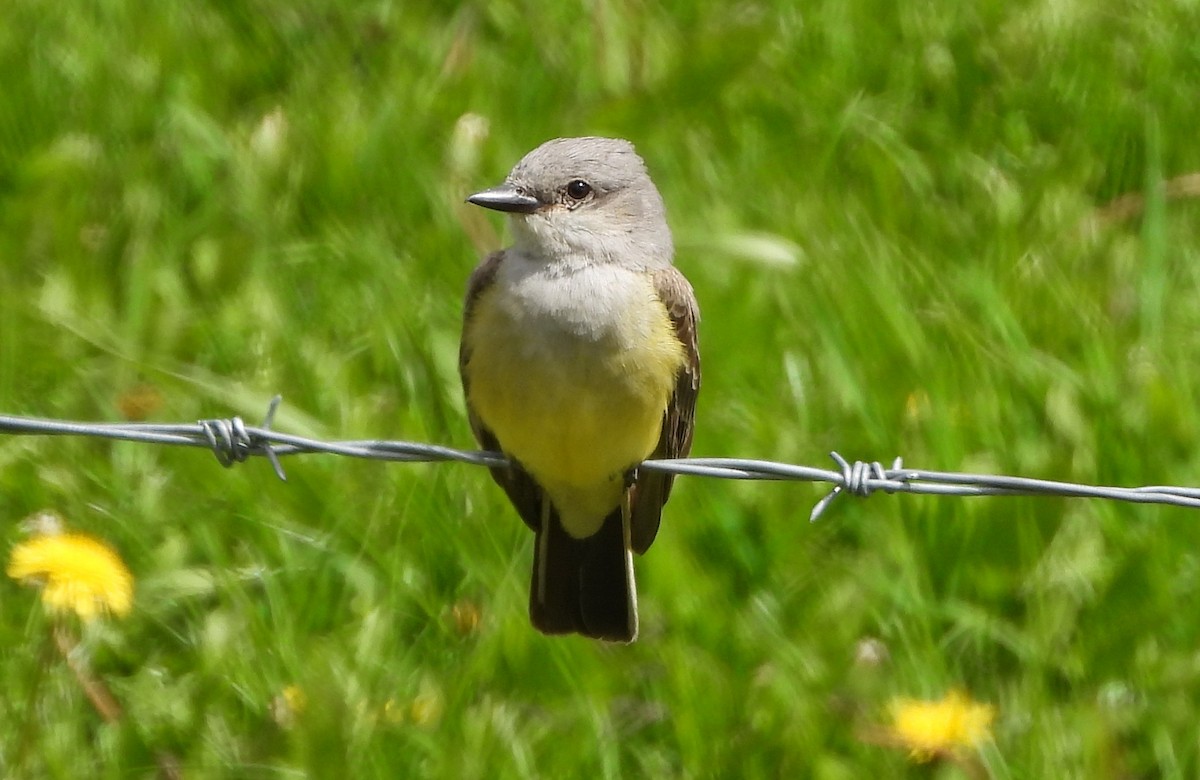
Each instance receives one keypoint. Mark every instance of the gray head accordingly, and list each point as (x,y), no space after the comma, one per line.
(584,200)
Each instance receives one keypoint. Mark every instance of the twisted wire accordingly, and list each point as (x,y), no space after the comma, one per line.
(232,441)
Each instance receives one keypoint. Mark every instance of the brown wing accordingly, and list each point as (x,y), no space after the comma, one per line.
(654,487)
(525,495)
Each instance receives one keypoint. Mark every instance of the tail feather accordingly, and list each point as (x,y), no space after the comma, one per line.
(585,586)
(554,592)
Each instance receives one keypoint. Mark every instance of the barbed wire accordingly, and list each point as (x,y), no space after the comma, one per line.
(232,441)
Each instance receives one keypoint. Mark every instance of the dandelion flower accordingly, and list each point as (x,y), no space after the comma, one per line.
(77,573)
(931,729)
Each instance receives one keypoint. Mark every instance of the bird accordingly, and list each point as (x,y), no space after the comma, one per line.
(579,360)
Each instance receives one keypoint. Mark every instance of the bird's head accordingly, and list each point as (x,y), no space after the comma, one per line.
(581,201)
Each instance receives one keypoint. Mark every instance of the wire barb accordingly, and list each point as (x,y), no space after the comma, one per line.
(268,421)
(232,442)
(861,479)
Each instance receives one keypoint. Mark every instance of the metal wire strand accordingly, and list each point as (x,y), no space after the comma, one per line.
(232,441)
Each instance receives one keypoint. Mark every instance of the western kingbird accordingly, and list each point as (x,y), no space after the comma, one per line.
(579,361)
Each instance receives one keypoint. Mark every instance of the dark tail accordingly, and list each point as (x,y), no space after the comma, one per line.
(584,586)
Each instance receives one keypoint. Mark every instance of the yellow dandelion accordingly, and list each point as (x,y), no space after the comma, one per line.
(77,573)
(931,729)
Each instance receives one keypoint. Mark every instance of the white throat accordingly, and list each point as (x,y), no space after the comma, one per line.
(574,240)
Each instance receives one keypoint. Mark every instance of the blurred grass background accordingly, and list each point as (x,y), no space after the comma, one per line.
(892,215)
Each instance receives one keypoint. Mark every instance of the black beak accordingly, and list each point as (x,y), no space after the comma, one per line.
(506,198)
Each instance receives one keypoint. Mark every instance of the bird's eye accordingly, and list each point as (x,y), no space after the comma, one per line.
(578,189)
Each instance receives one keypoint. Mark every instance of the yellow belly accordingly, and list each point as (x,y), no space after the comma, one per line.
(575,409)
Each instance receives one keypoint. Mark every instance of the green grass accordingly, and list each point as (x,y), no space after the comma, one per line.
(885,212)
